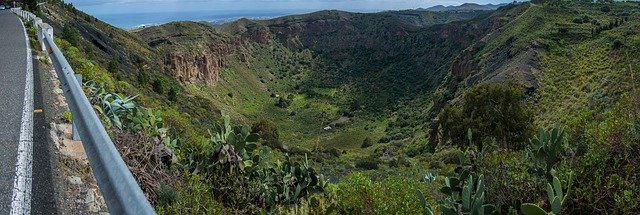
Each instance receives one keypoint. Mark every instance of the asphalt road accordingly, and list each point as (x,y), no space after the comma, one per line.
(13,66)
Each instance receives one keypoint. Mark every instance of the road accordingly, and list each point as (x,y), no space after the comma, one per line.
(24,153)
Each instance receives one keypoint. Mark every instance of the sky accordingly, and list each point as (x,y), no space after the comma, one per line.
(103,7)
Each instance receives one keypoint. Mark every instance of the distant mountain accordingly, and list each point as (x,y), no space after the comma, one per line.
(464,7)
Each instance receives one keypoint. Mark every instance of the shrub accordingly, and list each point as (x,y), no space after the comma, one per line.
(577,20)
(166,195)
(563,30)
(143,77)
(366,142)
(244,174)
(173,94)
(358,194)
(616,44)
(489,110)
(67,116)
(368,163)
(283,102)
(159,85)
(268,131)
(113,65)
(605,9)
(122,86)
(70,35)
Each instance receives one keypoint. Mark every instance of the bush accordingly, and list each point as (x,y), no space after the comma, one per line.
(113,66)
(143,77)
(489,110)
(358,194)
(122,86)
(368,163)
(70,35)
(173,94)
(159,85)
(563,30)
(166,195)
(616,44)
(605,9)
(366,142)
(268,131)
(283,102)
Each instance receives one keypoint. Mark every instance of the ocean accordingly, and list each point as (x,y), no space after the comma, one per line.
(136,20)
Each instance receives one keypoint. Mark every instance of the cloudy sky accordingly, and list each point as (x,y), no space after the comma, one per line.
(100,7)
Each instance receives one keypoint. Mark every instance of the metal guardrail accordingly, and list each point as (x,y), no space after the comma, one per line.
(120,190)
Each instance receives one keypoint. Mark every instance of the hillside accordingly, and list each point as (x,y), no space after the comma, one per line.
(376,101)
(464,7)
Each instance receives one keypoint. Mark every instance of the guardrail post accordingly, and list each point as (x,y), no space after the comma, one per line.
(44,30)
(36,21)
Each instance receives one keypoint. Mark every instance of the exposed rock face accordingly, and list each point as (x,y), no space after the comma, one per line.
(191,52)
(464,65)
(201,68)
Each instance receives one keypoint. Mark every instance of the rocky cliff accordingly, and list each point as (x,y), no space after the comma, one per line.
(192,52)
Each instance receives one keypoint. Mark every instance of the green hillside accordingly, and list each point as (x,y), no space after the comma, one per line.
(381,104)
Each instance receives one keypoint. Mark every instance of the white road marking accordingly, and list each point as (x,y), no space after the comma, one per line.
(21,200)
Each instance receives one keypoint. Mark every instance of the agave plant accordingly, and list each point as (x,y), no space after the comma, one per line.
(109,104)
(112,105)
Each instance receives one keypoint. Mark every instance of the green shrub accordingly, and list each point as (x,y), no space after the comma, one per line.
(358,194)
(268,132)
(113,66)
(508,182)
(489,110)
(368,163)
(608,168)
(366,142)
(166,195)
(71,35)
(173,94)
(67,116)
(193,196)
(283,102)
(616,44)
(245,174)
(143,78)
(159,85)
(121,86)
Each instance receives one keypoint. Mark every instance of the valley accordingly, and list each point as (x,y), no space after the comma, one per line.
(378,103)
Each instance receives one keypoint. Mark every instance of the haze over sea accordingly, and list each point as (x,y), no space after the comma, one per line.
(136,20)
(134,13)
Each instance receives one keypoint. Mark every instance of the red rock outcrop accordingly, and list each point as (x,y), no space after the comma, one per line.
(203,67)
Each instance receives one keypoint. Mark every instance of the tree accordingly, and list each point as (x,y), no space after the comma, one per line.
(489,110)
